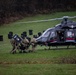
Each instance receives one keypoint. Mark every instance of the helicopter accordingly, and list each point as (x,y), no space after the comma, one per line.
(61,34)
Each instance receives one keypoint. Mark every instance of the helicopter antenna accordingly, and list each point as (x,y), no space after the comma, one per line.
(37,21)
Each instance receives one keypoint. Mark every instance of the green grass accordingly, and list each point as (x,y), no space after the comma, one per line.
(42,62)
(39,69)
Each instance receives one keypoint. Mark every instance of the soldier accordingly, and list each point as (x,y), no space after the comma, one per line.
(33,43)
(24,45)
(15,45)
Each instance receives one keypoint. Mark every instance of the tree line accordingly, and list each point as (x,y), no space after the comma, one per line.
(11,10)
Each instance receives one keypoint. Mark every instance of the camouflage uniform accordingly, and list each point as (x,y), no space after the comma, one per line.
(15,45)
(33,43)
(24,45)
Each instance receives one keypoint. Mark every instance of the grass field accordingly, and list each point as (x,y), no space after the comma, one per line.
(42,62)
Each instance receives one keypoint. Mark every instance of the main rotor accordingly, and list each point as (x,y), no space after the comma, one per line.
(65,18)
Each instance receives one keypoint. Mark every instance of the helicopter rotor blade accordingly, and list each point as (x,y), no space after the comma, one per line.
(72,17)
(37,21)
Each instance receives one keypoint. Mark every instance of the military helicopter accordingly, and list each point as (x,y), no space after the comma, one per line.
(61,34)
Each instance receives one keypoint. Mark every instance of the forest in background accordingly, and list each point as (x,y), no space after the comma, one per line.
(12,10)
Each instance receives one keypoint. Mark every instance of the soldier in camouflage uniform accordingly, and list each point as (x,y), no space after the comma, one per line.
(33,43)
(24,45)
(15,45)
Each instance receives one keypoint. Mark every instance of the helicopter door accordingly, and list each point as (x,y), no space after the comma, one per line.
(60,35)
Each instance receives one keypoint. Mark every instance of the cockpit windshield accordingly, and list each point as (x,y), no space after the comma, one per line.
(52,34)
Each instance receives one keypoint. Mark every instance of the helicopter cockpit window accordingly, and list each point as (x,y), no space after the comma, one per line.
(46,34)
(70,34)
(52,34)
